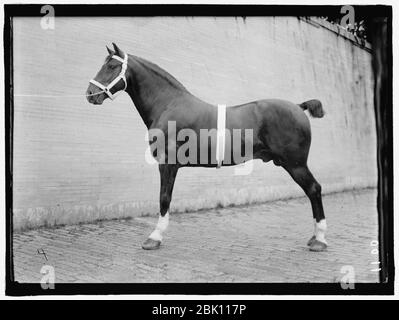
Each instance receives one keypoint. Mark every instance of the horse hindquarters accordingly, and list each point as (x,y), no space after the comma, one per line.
(286,133)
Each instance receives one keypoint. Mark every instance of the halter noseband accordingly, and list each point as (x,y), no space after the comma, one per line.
(107,89)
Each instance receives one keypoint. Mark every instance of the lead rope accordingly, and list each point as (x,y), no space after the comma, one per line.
(57,96)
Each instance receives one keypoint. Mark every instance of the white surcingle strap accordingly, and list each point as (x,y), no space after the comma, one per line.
(221,134)
(122,75)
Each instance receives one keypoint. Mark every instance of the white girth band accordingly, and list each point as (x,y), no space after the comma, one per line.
(221,134)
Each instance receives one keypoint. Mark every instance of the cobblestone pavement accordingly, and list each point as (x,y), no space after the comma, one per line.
(260,243)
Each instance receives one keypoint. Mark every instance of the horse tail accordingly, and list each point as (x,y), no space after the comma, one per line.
(314,107)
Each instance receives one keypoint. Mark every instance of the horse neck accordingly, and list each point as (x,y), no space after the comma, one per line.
(151,90)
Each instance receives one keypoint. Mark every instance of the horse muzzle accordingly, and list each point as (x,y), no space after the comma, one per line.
(95,96)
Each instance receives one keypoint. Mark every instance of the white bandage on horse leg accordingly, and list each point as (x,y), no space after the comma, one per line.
(314,227)
(320,230)
(161,227)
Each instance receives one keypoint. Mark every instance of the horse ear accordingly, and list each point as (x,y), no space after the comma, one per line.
(111,53)
(118,51)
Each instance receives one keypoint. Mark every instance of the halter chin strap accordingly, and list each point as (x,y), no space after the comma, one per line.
(107,89)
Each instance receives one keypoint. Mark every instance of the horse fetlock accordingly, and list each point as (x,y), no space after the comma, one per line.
(156,235)
(162,225)
(163,222)
(320,231)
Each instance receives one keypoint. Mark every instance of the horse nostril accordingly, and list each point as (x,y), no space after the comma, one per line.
(90,93)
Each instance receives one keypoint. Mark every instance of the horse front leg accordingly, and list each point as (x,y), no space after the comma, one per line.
(168,175)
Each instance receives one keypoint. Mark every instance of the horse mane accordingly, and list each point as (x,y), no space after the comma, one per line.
(161,73)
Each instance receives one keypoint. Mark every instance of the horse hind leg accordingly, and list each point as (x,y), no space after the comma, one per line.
(312,188)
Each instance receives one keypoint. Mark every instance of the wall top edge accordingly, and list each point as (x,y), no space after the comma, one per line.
(337,29)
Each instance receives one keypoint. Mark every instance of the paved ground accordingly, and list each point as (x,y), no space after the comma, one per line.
(262,243)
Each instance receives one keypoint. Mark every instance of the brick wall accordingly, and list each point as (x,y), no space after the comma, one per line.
(75,162)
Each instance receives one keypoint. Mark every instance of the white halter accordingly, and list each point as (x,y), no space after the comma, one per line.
(107,89)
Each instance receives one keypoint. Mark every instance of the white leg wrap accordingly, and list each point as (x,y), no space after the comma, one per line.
(314,227)
(320,230)
(161,227)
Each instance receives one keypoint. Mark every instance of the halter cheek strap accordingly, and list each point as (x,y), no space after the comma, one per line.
(122,75)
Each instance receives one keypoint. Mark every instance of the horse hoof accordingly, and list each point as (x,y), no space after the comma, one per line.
(150,244)
(318,246)
(311,240)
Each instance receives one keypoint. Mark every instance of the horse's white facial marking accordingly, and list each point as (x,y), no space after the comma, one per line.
(320,230)
(161,227)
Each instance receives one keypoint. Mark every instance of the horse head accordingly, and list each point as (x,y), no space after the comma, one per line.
(111,79)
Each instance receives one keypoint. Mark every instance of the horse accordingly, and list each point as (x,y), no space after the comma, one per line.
(280,130)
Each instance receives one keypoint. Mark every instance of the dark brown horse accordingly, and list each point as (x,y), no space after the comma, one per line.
(280,130)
